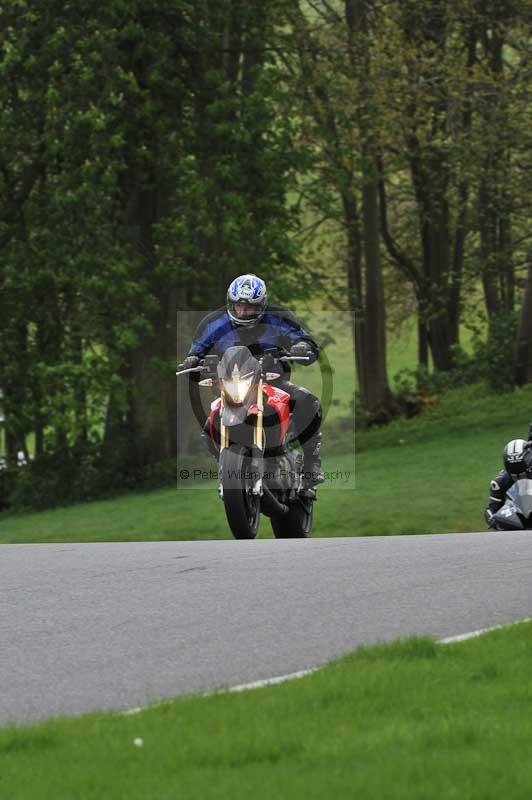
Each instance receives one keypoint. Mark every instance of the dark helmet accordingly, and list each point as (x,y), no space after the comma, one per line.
(246,299)
(517,457)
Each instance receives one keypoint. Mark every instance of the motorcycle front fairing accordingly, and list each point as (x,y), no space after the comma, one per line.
(516,513)
(239,376)
(507,519)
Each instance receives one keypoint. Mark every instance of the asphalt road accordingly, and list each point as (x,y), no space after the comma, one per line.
(114,626)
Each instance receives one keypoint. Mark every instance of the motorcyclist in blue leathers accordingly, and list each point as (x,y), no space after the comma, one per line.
(248,319)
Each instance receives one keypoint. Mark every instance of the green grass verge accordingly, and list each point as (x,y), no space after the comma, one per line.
(408,720)
(426,475)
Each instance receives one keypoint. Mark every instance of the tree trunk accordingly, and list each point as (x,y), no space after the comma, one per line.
(373,380)
(80,394)
(14,390)
(523,350)
(153,401)
(39,437)
(493,195)
(443,333)
(354,283)
(379,398)
(439,289)
(438,296)
(422,343)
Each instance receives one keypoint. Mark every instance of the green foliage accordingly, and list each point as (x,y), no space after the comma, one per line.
(142,167)
(79,474)
(468,369)
(490,361)
(496,353)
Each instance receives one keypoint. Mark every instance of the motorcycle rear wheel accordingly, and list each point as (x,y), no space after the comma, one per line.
(296,523)
(242,509)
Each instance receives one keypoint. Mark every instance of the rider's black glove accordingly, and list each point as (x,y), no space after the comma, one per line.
(301,349)
(269,361)
(190,362)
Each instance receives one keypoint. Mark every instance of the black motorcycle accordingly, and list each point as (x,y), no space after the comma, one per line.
(516,513)
(249,429)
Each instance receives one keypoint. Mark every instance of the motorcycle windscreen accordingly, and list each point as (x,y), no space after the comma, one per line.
(238,358)
(521,496)
(238,365)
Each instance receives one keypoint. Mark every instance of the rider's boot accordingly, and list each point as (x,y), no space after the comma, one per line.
(312,471)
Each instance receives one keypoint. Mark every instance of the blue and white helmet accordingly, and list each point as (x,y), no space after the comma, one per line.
(246,299)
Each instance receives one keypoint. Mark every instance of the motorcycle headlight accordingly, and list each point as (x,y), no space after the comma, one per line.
(238,389)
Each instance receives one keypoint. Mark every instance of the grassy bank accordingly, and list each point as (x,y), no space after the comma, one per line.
(428,474)
(407,720)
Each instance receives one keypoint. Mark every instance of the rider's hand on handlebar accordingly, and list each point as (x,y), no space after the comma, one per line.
(302,350)
(269,359)
(190,362)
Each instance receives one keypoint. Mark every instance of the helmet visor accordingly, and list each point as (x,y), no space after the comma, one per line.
(515,468)
(245,312)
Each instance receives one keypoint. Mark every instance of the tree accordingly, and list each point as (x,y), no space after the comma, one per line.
(331,73)
(146,166)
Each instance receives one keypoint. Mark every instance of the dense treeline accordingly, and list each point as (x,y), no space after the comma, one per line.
(150,151)
(419,114)
(142,164)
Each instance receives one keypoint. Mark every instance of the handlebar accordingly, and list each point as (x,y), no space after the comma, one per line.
(200,368)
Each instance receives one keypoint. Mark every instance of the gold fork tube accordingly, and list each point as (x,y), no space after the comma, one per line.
(258,433)
(224,438)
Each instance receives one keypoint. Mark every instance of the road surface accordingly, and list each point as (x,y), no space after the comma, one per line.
(119,625)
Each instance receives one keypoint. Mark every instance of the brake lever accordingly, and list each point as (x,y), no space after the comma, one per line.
(192,369)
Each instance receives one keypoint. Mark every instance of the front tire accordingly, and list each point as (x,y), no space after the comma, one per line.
(242,509)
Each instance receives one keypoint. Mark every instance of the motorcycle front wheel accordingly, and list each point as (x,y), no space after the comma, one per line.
(242,508)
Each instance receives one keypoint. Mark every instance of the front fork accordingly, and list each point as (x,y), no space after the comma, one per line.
(257,461)
(258,444)
(224,443)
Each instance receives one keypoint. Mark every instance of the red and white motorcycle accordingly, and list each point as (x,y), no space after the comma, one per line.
(260,470)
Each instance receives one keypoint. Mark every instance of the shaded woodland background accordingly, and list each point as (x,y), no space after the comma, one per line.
(373,157)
